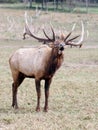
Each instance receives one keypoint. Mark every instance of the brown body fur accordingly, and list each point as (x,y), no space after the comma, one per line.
(39,63)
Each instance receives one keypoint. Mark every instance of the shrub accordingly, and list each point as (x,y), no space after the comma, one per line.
(9,1)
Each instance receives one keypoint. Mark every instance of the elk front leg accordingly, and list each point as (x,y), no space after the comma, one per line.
(37,82)
(47,85)
(14,95)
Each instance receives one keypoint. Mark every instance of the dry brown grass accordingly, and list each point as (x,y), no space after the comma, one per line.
(73,102)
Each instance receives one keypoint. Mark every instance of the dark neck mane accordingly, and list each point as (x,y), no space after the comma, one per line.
(55,62)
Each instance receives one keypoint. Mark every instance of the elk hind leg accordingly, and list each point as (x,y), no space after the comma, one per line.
(15,86)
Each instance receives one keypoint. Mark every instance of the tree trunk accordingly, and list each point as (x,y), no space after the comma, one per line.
(30,3)
(56,4)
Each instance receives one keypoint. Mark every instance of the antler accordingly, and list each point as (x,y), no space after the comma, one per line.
(62,36)
(53,39)
(28,31)
(70,41)
(25,29)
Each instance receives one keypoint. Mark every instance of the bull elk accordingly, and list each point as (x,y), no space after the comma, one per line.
(40,63)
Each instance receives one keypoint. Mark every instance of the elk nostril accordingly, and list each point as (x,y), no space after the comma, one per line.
(61,48)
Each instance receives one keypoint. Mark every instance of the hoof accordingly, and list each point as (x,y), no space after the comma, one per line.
(14,106)
(37,109)
(45,110)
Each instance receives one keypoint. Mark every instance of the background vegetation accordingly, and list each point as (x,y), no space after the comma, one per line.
(55,4)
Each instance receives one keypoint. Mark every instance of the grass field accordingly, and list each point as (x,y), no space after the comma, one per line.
(73,102)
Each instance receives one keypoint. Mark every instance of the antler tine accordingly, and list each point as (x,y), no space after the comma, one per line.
(53,33)
(54,36)
(72,39)
(53,39)
(47,35)
(82,34)
(67,36)
(74,25)
(79,43)
(39,39)
(26,23)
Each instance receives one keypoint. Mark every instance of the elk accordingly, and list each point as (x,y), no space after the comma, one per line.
(40,63)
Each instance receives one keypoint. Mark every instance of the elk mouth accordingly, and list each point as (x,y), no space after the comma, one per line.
(61,48)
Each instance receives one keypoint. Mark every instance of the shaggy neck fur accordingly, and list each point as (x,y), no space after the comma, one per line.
(55,62)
